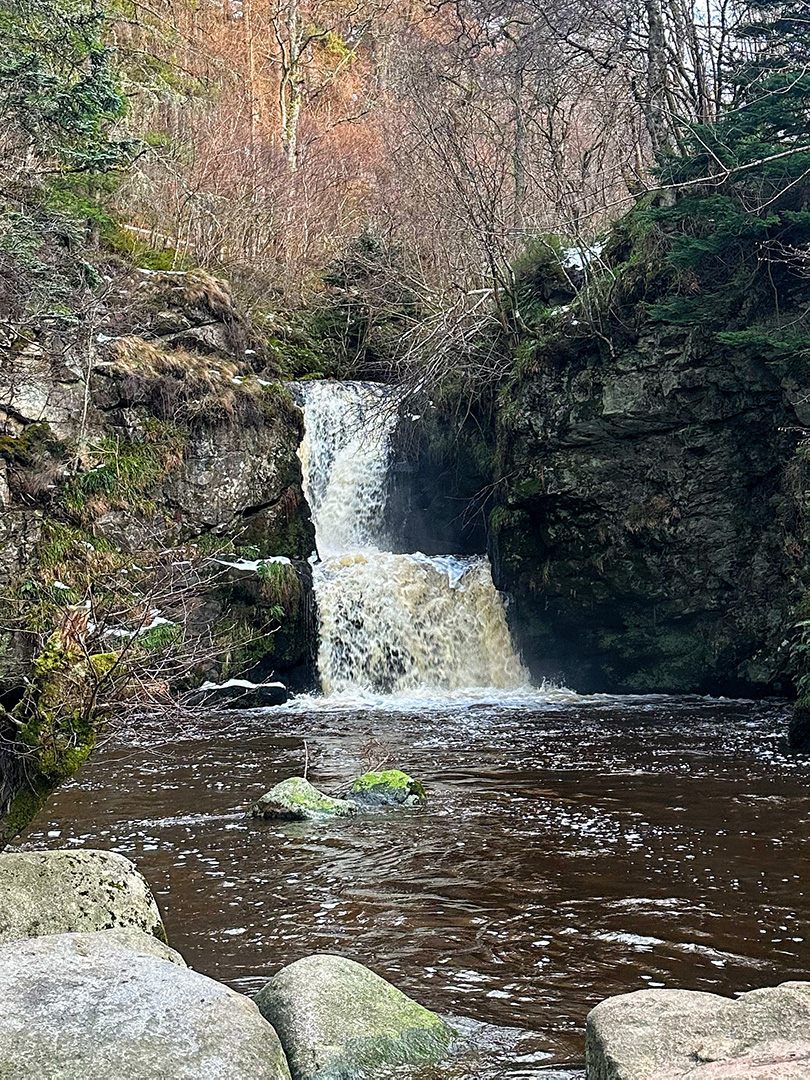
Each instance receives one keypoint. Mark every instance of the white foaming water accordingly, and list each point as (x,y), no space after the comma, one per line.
(412,626)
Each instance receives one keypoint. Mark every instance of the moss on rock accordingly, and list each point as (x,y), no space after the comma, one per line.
(295,799)
(335,1018)
(388,787)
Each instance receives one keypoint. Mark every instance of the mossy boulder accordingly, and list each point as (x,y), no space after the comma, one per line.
(336,1019)
(295,799)
(391,787)
(57,892)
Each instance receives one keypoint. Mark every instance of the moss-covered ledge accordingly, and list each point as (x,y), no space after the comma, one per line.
(53,728)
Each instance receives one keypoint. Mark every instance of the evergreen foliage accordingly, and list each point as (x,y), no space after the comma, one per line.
(737,236)
(59,93)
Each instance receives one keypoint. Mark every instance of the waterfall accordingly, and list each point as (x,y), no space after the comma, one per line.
(389,624)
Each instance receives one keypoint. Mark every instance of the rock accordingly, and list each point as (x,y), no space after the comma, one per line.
(776,1060)
(57,892)
(295,799)
(633,532)
(335,1018)
(799,730)
(101,1006)
(240,694)
(128,938)
(680,1034)
(388,788)
(169,322)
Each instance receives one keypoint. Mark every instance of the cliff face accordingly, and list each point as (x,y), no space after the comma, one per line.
(650,528)
(155,438)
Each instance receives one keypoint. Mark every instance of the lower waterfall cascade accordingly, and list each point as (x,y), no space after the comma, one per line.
(389,623)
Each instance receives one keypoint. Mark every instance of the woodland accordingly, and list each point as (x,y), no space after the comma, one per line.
(404,384)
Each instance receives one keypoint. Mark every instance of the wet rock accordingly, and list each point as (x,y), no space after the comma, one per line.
(388,788)
(56,892)
(101,1006)
(295,799)
(680,1034)
(240,694)
(335,1018)
(799,731)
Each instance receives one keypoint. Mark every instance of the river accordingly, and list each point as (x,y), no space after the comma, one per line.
(572,848)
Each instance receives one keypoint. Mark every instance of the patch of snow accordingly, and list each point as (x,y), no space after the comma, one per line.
(575,258)
(243,684)
(252,565)
(156,620)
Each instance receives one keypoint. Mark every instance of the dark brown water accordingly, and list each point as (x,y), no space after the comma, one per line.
(569,852)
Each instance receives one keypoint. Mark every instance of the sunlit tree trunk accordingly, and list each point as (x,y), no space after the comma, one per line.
(291,85)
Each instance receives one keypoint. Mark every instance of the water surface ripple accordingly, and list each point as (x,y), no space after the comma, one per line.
(570,851)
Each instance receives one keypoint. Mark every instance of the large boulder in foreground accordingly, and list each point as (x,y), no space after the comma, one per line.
(687,1035)
(336,1019)
(103,1006)
(390,787)
(57,892)
(295,799)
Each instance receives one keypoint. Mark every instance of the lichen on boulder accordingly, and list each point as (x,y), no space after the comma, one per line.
(692,1035)
(337,1019)
(57,892)
(391,787)
(104,1005)
(295,799)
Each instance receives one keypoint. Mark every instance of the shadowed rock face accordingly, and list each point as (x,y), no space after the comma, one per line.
(648,530)
(106,1005)
(335,1018)
(689,1035)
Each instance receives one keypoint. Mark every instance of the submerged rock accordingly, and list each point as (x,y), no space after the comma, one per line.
(102,1006)
(240,694)
(337,1019)
(689,1035)
(295,799)
(56,892)
(389,787)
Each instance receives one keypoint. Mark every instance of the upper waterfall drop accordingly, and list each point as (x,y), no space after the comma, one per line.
(389,623)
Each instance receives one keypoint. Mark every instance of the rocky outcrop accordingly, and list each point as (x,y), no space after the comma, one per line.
(57,892)
(650,526)
(295,799)
(687,1035)
(173,438)
(100,1006)
(147,459)
(336,1018)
